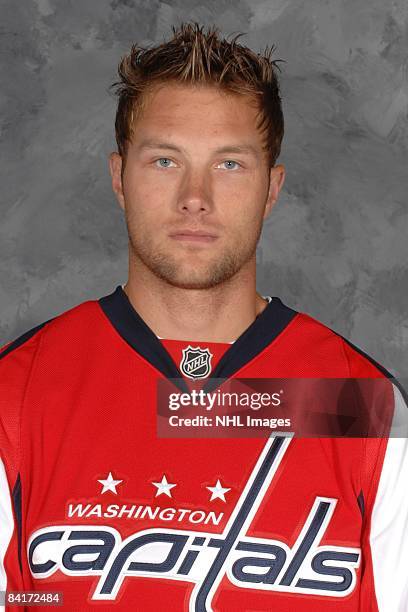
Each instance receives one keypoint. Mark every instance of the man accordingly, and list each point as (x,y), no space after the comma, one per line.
(95,506)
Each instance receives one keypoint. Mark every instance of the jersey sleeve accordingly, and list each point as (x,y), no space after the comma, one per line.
(16,362)
(389,518)
(384,476)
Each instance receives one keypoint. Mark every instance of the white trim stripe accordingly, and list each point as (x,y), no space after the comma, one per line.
(389,524)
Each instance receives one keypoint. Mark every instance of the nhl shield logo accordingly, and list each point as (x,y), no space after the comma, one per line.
(196,362)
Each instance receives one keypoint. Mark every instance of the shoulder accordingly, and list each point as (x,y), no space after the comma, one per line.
(20,352)
(329,354)
(318,339)
(38,349)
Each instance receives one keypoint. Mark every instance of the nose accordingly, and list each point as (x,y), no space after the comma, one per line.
(195,194)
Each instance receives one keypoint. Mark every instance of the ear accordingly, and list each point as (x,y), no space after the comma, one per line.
(115,167)
(276,180)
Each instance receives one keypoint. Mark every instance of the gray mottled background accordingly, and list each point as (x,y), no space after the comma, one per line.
(336,244)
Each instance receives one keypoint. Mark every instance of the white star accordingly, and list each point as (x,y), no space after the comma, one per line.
(163,487)
(218,491)
(110,484)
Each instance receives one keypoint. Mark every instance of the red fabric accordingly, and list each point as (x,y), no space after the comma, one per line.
(77,402)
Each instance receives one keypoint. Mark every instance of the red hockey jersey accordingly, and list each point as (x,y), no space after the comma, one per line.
(95,506)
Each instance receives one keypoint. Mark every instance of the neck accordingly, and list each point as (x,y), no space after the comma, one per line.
(218,314)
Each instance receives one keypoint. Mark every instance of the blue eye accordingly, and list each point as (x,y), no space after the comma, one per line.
(166,159)
(231,161)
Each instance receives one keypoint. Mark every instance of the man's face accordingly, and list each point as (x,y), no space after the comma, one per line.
(196,186)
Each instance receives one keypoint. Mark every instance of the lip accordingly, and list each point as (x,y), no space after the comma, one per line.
(193,236)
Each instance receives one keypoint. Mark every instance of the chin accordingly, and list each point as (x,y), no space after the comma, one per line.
(191,274)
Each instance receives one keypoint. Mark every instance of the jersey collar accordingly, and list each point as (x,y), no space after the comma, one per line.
(131,327)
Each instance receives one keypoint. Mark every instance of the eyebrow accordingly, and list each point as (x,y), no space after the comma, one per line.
(242,148)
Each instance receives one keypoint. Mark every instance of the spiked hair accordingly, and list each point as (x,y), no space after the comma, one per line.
(195,57)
